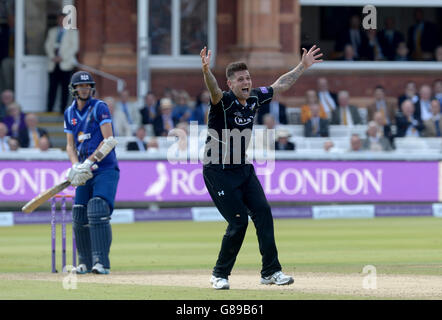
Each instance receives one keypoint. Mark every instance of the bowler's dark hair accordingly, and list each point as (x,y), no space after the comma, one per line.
(234,67)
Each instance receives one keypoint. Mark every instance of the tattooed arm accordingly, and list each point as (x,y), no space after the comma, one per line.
(216,93)
(287,80)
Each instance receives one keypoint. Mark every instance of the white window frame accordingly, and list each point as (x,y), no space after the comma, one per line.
(376,65)
(176,60)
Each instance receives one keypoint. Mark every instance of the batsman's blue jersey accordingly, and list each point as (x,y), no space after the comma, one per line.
(85,125)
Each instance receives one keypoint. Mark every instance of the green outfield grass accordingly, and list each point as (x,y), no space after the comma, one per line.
(393,245)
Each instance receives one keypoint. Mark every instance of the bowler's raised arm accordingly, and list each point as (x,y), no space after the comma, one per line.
(287,80)
(212,85)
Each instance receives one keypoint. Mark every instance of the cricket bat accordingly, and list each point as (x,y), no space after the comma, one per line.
(44,196)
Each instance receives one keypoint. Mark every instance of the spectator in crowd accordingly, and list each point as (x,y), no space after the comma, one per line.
(311,99)
(422,37)
(349,53)
(127,113)
(265,139)
(407,125)
(328,146)
(410,93)
(14,145)
(402,52)
(276,108)
(61,47)
(138,144)
(328,100)
(437,89)
(374,50)
(383,127)
(7,98)
(163,122)
(422,108)
(388,109)
(7,53)
(30,135)
(433,126)
(4,145)
(152,145)
(345,114)
(121,127)
(201,109)
(438,53)
(375,141)
(181,111)
(269,121)
(355,143)
(316,126)
(150,109)
(354,36)
(15,120)
(282,142)
(389,39)
(44,144)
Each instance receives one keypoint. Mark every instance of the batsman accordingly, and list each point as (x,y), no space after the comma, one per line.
(90,143)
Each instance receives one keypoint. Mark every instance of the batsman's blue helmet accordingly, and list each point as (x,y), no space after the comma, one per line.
(81,77)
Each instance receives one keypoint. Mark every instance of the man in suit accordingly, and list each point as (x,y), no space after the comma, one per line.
(433,126)
(138,144)
(328,100)
(29,136)
(4,145)
(381,105)
(389,39)
(7,98)
(423,37)
(315,126)
(127,112)
(61,46)
(275,108)
(374,140)
(437,89)
(355,143)
(374,50)
(422,108)
(345,114)
(150,109)
(438,53)
(356,37)
(407,125)
(410,93)
(282,142)
(163,122)
(384,129)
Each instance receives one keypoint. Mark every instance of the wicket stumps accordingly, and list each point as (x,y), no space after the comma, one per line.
(54,201)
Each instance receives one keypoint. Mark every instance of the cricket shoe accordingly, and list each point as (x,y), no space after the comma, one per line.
(219,283)
(99,269)
(278,278)
(80,269)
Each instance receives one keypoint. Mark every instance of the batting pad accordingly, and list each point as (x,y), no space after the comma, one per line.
(98,213)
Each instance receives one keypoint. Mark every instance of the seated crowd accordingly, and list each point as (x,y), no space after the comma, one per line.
(422,42)
(19,129)
(415,113)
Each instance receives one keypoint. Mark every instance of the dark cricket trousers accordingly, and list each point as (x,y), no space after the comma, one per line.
(237,193)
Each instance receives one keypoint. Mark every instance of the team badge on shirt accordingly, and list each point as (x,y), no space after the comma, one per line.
(74,121)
